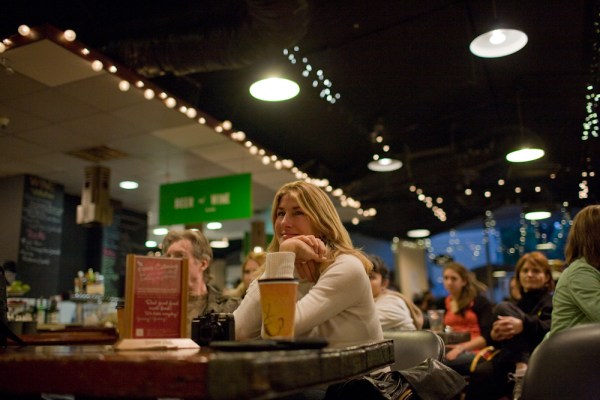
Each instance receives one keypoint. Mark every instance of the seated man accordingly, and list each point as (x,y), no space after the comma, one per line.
(203,298)
(395,311)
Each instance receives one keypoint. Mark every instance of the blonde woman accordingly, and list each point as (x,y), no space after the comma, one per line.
(251,264)
(335,299)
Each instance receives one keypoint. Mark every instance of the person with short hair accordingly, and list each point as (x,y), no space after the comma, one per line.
(310,243)
(203,298)
(395,311)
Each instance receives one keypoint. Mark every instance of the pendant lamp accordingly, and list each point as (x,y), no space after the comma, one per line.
(498,41)
(528,146)
(274,89)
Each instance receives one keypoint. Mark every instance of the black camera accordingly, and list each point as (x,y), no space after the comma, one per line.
(212,327)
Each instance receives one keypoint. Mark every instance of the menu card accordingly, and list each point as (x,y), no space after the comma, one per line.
(156,291)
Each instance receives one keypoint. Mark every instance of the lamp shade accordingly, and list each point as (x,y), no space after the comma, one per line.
(274,89)
(385,165)
(538,210)
(498,43)
(522,145)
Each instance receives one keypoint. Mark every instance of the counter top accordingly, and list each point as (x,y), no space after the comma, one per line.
(101,371)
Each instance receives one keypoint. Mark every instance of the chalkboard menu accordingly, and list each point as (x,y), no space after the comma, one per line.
(41,231)
(156,291)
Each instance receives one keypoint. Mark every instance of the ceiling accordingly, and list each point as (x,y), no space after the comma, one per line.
(402,69)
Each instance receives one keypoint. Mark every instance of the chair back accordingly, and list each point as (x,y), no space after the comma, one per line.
(413,347)
(565,366)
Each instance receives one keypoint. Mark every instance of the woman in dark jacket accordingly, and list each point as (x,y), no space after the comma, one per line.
(516,331)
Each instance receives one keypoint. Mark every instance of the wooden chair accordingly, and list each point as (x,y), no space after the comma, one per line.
(565,366)
(413,347)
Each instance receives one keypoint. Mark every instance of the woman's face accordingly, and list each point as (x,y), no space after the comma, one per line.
(249,269)
(453,283)
(532,277)
(291,220)
(377,283)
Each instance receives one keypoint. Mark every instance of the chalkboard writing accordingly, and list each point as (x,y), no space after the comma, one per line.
(156,297)
(41,232)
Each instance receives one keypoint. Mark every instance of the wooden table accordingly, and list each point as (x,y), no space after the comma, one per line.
(71,336)
(100,371)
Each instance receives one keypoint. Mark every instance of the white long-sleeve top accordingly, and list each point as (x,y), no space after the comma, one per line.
(393,312)
(338,307)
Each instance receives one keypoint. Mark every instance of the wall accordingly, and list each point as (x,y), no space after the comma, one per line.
(11,204)
(78,248)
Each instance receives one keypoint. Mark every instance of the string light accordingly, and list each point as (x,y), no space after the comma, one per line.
(149,92)
(319,80)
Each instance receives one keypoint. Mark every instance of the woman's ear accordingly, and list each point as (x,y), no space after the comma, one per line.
(385,283)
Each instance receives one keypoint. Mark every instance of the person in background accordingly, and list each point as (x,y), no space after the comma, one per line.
(466,311)
(514,292)
(517,329)
(310,242)
(395,311)
(251,264)
(577,297)
(203,298)
(10,271)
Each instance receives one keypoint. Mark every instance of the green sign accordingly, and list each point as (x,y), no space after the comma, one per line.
(215,199)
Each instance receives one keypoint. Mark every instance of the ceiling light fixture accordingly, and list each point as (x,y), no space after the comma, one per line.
(274,89)
(220,244)
(160,231)
(498,42)
(537,215)
(528,148)
(525,154)
(129,185)
(385,165)
(418,233)
(214,226)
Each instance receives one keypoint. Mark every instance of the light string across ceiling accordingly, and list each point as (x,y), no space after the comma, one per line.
(99,62)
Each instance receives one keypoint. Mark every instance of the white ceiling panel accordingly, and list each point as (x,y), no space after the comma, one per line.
(50,64)
(191,135)
(53,106)
(102,92)
(101,127)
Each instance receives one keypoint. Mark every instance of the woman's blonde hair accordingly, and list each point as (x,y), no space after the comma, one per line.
(469,291)
(324,218)
(257,256)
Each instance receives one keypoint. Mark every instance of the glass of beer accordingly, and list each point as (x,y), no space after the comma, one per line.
(278,302)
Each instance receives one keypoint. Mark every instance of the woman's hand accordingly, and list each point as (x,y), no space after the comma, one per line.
(506,327)
(310,252)
(454,352)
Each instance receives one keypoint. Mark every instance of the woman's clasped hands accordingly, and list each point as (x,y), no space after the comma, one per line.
(310,253)
(505,327)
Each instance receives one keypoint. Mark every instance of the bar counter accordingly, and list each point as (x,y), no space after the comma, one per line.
(100,371)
